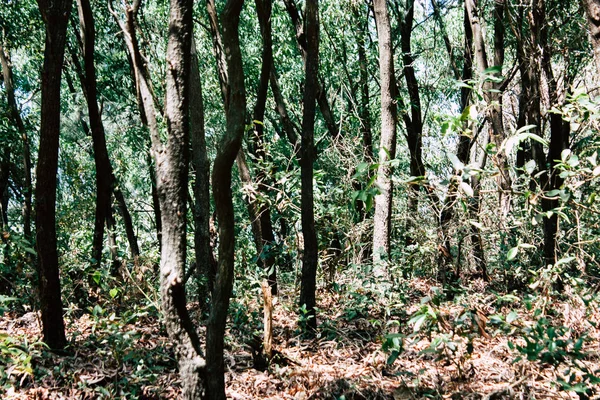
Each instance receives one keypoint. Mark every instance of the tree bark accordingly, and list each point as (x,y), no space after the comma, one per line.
(172,177)
(387,148)
(227,151)
(414,122)
(260,215)
(55,14)
(127,222)
(147,101)
(4,178)
(104,172)
(307,158)
(263,10)
(201,164)
(302,41)
(492,94)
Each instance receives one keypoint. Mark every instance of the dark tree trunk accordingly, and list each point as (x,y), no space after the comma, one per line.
(104,173)
(260,215)
(221,178)
(263,10)
(155,201)
(559,141)
(307,158)
(383,201)
(290,129)
(56,16)
(4,177)
(201,164)
(127,222)
(18,121)
(364,113)
(302,41)
(414,121)
(172,177)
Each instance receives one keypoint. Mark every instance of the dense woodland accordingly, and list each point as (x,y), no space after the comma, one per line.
(299,199)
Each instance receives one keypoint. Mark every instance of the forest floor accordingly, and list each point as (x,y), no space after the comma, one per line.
(478,345)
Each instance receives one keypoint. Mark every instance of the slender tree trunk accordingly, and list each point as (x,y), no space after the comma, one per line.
(155,201)
(414,122)
(260,215)
(364,113)
(201,164)
(4,177)
(127,222)
(559,141)
(172,177)
(307,158)
(18,121)
(492,94)
(104,173)
(221,178)
(302,41)
(263,10)
(290,129)
(387,148)
(55,14)
(147,101)
(462,151)
(111,236)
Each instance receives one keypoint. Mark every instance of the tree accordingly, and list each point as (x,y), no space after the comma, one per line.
(387,148)
(18,121)
(307,157)
(56,16)
(104,173)
(202,248)
(172,174)
(228,148)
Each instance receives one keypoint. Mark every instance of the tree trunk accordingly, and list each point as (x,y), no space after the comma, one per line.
(387,148)
(307,158)
(104,174)
(462,151)
(559,141)
(260,215)
(263,10)
(172,178)
(302,41)
(55,14)
(221,178)
(201,166)
(18,121)
(4,177)
(147,102)
(127,222)
(414,122)
(492,94)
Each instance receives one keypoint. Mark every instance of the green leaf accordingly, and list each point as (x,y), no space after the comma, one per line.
(419,321)
(113,292)
(393,357)
(512,253)
(511,317)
